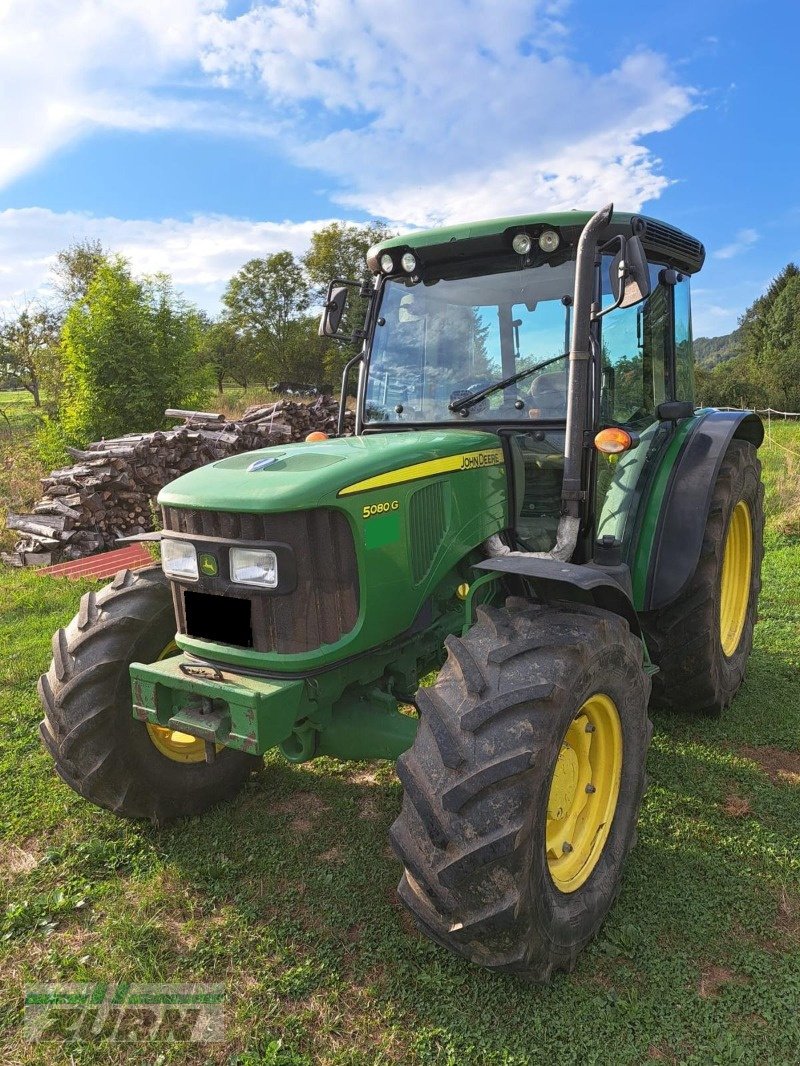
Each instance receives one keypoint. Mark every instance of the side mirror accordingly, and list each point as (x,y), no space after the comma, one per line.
(629,274)
(334,310)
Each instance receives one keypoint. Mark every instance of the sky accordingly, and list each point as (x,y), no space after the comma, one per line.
(192,135)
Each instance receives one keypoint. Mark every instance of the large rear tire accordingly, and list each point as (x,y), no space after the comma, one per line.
(523,786)
(702,641)
(99,748)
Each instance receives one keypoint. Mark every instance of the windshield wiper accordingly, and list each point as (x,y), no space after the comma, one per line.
(466,402)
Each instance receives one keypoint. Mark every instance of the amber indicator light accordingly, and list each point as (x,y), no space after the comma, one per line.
(613,441)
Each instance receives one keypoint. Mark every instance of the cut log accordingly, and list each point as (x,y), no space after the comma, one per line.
(111,489)
(193,416)
(39,525)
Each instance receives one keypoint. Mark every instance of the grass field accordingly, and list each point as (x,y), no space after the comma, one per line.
(287,895)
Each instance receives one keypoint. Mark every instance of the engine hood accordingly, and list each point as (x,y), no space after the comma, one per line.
(299,476)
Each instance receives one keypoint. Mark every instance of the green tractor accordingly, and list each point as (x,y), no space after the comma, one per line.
(531,510)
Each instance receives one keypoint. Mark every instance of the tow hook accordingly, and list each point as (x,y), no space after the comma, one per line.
(207,673)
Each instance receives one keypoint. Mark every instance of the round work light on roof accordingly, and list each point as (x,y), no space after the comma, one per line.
(521,244)
(408,263)
(387,263)
(549,240)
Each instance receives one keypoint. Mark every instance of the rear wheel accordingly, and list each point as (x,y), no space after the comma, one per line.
(523,786)
(135,769)
(701,642)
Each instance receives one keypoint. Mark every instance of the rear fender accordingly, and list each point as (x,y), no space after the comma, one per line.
(678,537)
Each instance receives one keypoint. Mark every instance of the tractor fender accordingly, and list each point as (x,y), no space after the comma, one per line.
(607,587)
(678,537)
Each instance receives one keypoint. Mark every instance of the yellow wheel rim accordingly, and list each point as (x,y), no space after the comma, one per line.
(737,569)
(584,792)
(180,747)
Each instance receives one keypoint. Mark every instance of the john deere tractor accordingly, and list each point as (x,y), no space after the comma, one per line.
(531,528)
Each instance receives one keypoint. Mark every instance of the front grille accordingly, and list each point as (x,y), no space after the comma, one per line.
(427,527)
(320,609)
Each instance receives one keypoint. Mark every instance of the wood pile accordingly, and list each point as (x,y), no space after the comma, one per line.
(110,491)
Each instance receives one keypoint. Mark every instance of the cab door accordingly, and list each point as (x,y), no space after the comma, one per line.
(645,361)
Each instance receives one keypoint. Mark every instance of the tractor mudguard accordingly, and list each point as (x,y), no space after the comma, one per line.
(608,587)
(678,538)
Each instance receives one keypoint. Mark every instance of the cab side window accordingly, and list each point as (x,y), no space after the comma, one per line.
(684,356)
(635,347)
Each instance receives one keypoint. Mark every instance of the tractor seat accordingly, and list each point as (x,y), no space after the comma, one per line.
(549,395)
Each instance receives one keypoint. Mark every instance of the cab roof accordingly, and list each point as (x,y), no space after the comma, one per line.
(662,242)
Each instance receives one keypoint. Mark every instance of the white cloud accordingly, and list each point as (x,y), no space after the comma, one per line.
(66,68)
(419,111)
(435,112)
(744,238)
(201,254)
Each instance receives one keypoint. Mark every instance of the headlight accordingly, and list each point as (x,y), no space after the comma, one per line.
(521,244)
(254,566)
(549,240)
(387,263)
(408,263)
(179,559)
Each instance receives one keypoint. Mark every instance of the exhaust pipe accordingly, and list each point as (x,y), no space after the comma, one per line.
(580,355)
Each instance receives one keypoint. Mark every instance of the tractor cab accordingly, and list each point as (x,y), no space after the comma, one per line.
(471,326)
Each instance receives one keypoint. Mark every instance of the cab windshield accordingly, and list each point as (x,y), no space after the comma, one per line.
(436,342)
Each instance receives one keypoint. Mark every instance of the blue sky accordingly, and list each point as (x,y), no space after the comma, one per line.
(193,134)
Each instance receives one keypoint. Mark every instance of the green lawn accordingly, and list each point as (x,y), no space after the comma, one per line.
(287,895)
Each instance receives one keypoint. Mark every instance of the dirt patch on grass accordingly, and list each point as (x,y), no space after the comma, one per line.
(788,921)
(363,777)
(18,859)
(736,806)
(305,809)
(780,932)
(715,978)
(779,765)
(368,809)
(342,1022)
(355,933)
(32,958)
(660,1053)
(333,857)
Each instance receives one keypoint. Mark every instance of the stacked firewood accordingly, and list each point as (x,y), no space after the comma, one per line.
(110,491)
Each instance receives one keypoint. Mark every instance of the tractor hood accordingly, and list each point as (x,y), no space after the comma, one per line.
(299,476)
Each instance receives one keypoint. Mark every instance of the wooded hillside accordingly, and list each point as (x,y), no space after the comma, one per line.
(758,365)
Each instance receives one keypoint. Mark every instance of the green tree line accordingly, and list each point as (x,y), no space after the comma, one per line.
(111,350)
(764,370)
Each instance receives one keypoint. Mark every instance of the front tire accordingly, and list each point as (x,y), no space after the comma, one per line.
(495,786)
(100,750)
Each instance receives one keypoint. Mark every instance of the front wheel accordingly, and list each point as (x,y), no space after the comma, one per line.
(132,768)
(523,786)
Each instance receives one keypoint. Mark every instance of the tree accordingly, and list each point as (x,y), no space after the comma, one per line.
(29,347)
(781,353)
(129,351)
(733,383)
(339,250)
(75,269)
(227,353)
(266,302)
